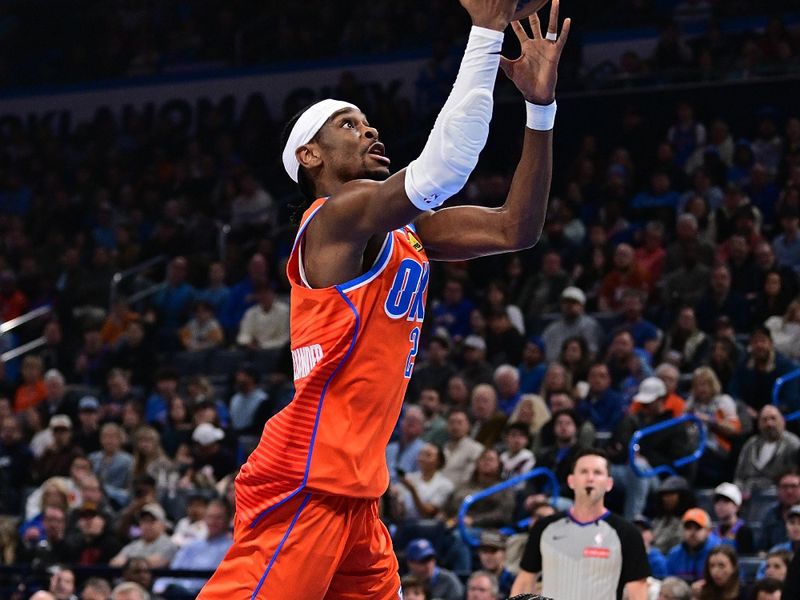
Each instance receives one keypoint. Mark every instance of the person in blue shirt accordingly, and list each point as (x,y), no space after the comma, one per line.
(687,559)
(792,544)
(453,312)
(602,405)
(202,555)
(533,366)
(656,558)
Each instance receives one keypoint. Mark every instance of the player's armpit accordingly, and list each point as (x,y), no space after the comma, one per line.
(464,232)
(524,583)
(636,590)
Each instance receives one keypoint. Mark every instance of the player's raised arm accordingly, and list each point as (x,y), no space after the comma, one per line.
(470,231)
(343,158)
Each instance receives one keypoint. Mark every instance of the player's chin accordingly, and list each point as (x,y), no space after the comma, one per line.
(376,173)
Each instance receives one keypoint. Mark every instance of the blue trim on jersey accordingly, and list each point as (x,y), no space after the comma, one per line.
(319,412)
(380,263)
(412,227)
(280,546)
(592,522)
(307,221)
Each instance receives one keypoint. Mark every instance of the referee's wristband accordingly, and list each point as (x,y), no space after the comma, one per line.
(540,117)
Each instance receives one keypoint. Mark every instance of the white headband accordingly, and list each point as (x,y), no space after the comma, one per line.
(306,127)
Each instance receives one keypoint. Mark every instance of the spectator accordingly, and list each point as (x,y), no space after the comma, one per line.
(62,583)
(242,296)
(57,399)
(720,576)
(645,335)
(650,256)
(414,589)
(87,435)
(576,358)
(192,527)
(792,536)
(93,541)
(401,455)
(52,548)
(129,591)
(203,331)
(202,555)
(673,588)
(173,302)
(134,354)
(13,302)
(112,464)
(96,588)
(211,460)
(15,466)
(217,292)
(250,406)
(686,345)
(688,249)
(166,389)
(674,498)
(777,564)
(253,209)
(265,326)
(119,393)
(627,364)
(503,342)
(730,528)
(475,370)
(674,404)
(117,321)
(560,456)
(426,490)
(482,585)
(435,426)
(785,330)
(656,558)
(687,559)
(602,405)
(766,455)
(58,457)
(434,370)
(507,383)
(754,380)
(625,275)
(496,299)
(718,412)
(421,559)
(720,299)
(686,284)
(770,589)
(517,458)
(487,422)
(773,522)
(31,391)
(153,545)
(453,312)
(786,245)
(150,459)
(573,323)
(461,451)
(542,291)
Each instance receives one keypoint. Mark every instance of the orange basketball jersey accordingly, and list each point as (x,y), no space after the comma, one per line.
(353,349)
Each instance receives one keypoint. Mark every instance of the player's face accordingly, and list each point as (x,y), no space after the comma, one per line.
(350,148)
(590,479)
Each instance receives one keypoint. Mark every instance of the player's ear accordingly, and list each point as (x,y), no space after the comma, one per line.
(308,155)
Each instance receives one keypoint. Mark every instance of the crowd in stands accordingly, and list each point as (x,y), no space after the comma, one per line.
(667,282)
(132,39)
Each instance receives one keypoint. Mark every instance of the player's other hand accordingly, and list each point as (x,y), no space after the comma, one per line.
(535,72)
(492,14)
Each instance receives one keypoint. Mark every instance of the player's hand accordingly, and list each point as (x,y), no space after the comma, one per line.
(535,72)
(492,14)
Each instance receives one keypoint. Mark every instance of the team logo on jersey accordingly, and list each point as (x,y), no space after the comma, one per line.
(406,298)
(305,359)
(415,243)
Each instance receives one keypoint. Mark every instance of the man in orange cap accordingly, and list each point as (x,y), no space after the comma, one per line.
(686,560)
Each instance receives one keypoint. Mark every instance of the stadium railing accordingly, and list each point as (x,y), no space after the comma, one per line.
(465,532)
(776,390)
(138,293)
(666,469)
(12,324)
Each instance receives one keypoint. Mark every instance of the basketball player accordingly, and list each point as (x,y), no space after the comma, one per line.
(586,552)
(307,524)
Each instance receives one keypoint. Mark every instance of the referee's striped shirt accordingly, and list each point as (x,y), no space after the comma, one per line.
(585,561)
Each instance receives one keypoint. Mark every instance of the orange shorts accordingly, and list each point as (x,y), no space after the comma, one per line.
(311,547)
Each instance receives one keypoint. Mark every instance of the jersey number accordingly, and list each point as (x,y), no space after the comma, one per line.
(414,339)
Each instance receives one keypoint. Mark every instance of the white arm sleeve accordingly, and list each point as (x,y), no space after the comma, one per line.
(461,129)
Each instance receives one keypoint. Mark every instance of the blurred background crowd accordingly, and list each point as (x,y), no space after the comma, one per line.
(667,282)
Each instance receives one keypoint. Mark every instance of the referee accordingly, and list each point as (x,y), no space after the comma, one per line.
(586,552)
